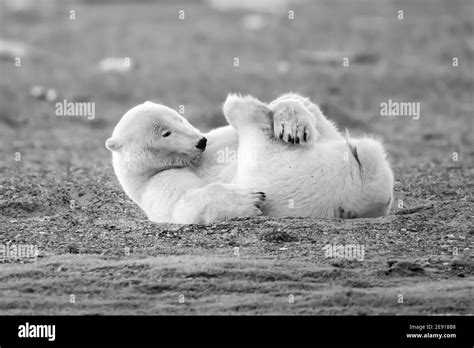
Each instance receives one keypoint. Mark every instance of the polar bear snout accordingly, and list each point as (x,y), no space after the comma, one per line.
(201,145)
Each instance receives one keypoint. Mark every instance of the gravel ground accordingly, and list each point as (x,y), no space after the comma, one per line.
(113,261)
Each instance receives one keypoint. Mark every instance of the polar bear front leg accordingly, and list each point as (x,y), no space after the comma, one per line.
(217,202)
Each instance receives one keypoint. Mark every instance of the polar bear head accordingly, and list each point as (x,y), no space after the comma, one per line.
(151,137)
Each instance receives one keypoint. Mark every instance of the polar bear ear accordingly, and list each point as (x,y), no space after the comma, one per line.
(113,144)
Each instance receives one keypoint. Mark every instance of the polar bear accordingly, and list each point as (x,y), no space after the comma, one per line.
(329,176)
(175,173)
(156,156)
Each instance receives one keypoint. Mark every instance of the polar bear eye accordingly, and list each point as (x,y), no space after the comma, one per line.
(165,134)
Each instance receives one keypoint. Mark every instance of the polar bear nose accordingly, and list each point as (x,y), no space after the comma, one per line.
(201,145)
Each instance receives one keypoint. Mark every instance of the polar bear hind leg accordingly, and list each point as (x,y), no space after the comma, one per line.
(324,129)
(376,177)
(248,114)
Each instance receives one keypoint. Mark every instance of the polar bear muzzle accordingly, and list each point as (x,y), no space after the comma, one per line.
(201,145)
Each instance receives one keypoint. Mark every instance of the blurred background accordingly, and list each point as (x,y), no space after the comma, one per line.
(183,53)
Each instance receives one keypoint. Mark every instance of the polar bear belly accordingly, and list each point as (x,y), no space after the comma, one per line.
(310,181)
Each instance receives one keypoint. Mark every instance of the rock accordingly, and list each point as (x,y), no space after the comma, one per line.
(365,58)
(38,92)
(116,64)
(270,6)
(404,268)
(322,57)
(253,22)
(283,67)
(277,236)
(72,249)
(10,50)
(43,93)
(51,95)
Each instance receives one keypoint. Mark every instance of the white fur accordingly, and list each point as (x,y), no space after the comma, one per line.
(172,181)
(323,178)
(168,177)
(310,116)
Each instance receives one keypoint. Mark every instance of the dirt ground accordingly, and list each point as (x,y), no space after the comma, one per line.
(97,252)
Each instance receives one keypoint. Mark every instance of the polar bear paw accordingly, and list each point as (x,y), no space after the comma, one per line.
(220,202)
(246,111)
(247,203)
(293,123)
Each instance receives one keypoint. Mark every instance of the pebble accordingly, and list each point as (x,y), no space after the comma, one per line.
(283,67)
(116,64)
(253,22)
(51,95)
(37,91)
(43,93)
